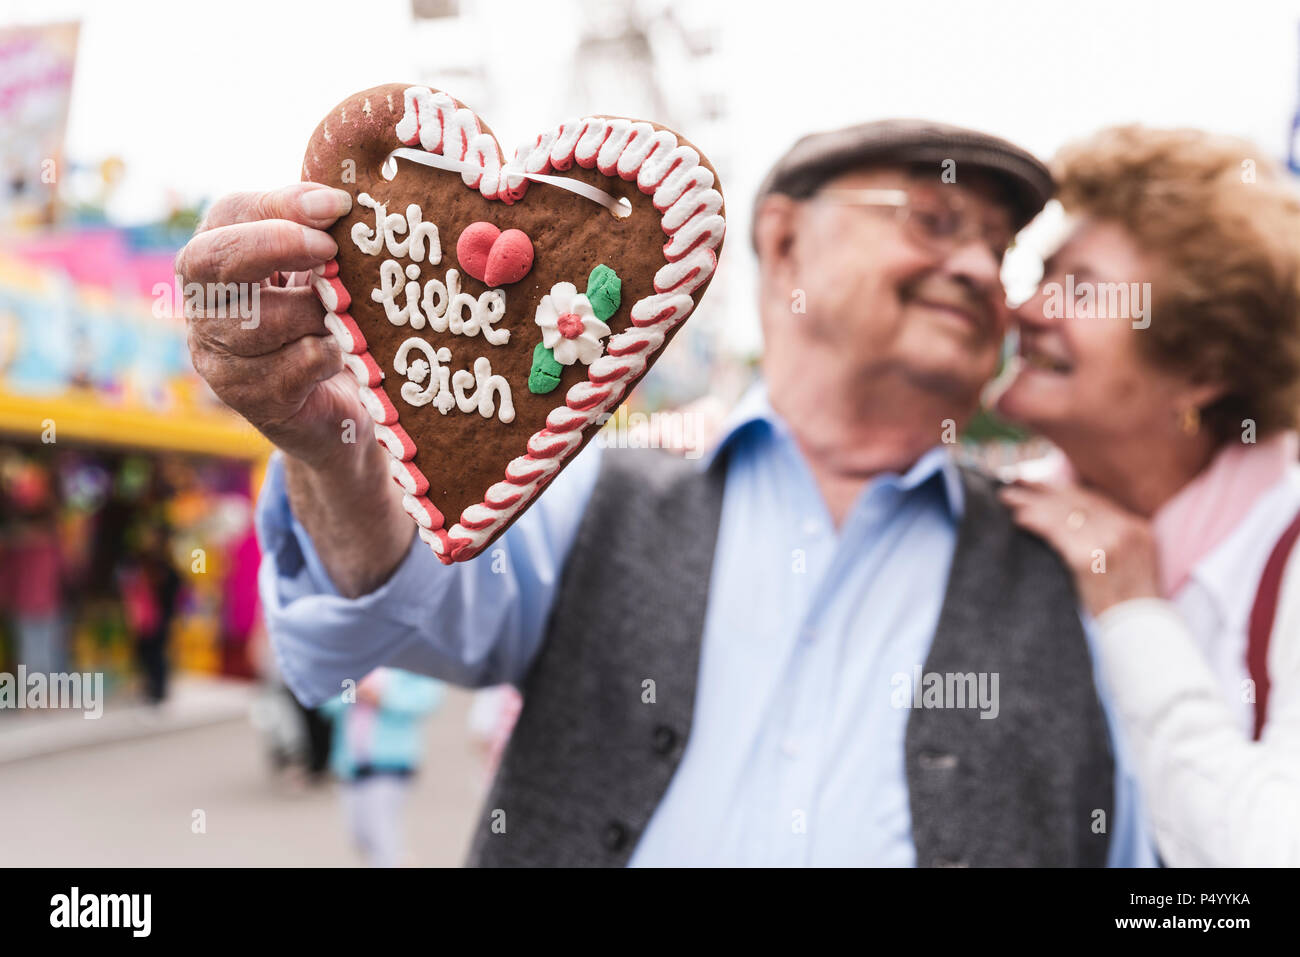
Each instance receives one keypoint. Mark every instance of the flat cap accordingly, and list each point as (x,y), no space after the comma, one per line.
(818,157)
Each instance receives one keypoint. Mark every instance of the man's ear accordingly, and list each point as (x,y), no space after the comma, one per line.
(774,232)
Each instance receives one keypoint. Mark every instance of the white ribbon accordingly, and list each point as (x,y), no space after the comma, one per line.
(619,207)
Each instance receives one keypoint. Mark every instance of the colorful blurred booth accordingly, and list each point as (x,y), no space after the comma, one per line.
(122,478)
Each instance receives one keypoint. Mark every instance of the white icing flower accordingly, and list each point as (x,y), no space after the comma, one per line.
(417,371)
(570,328)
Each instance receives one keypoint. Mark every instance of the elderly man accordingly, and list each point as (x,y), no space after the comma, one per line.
(822,644)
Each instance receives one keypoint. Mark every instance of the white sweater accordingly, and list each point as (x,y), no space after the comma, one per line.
(1176,672)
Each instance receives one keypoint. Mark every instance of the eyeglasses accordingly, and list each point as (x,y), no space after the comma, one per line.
(934,221)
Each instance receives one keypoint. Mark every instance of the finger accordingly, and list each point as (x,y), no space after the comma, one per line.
(1049,499)
(1093,502)
(1012,495)
(276,318)
(310,204)
(250,252)
(1036,485)
(270,389)
(1026,511)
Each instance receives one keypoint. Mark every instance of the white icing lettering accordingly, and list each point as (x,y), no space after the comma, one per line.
(434,303)
(422,232)
(430,381)
(389,226)
(367,241)
(390,281)
(394,226)
(445,307)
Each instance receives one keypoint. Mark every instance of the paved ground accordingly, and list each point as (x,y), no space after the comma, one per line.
(131,802)
(194,701)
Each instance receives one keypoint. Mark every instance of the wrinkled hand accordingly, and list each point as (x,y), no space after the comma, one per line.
(1110,551)
(280,369)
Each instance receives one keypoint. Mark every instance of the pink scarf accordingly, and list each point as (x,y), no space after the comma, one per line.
(1204,511)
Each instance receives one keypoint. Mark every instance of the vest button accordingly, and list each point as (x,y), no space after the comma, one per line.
(664,739)
(614,836)
(935,761)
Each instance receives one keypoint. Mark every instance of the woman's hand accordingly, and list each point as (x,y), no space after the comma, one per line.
(1110,551)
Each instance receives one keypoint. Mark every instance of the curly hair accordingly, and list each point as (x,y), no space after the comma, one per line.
(1223,222)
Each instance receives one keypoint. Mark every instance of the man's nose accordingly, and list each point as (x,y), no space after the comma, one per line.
(975,263)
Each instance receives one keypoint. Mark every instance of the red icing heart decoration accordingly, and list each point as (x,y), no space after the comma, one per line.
(494,257)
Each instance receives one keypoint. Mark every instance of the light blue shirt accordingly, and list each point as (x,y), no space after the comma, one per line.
(795,754)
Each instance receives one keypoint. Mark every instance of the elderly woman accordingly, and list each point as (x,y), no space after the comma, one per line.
(1161,355)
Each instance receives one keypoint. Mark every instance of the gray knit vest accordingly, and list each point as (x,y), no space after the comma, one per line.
(590,758)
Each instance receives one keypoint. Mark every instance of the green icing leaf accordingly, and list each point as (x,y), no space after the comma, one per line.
(539,383)
(544,376)
(544,359)
(604,291)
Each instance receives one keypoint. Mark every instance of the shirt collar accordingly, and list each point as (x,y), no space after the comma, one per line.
(754,411)
(938,461)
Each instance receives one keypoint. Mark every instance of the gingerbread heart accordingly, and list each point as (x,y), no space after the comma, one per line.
(487,369)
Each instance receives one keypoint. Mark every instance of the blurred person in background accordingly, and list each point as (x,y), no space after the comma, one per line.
(150,588)
(1176,500)
(490,721)
(377,749)
(297,738)
(239,613)
(33,570)
(318,731)
(718,656)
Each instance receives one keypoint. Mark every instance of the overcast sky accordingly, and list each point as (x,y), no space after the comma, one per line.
(206,97)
